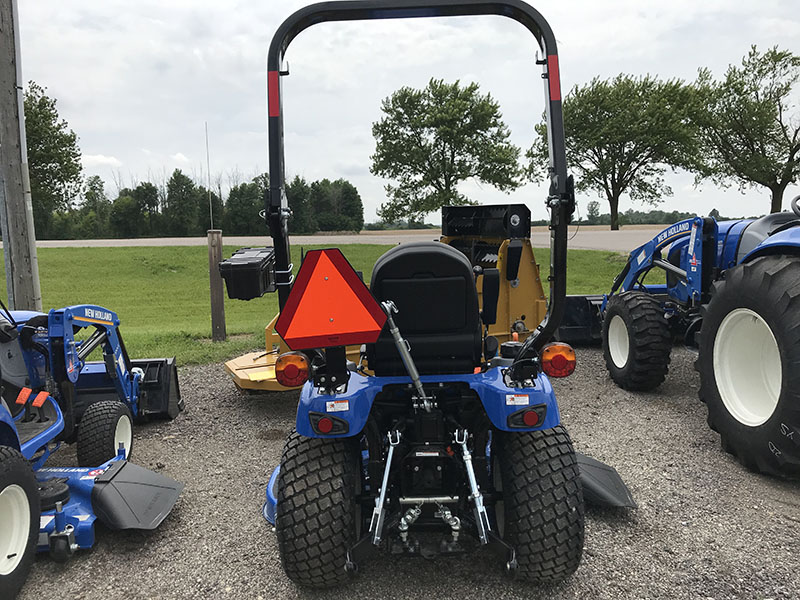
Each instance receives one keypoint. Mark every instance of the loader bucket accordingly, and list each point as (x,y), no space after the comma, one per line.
(581,324)
(159,393)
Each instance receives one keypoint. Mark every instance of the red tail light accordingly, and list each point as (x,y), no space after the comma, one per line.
(291,369)
(558,359)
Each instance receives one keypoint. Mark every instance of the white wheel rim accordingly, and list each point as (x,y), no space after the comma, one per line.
(618,342)
(123,433)
(15,526)
(747,367)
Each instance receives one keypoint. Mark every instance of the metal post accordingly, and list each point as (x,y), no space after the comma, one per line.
(19,240)
(218,333)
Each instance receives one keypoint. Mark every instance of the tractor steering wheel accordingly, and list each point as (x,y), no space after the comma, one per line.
(796,206)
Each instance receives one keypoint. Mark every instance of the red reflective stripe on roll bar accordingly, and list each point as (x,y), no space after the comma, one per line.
(552,73)
(274,93)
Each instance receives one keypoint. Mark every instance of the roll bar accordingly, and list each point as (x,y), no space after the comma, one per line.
(561,197)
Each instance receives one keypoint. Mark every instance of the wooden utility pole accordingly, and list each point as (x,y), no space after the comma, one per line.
(16,209)
(218,333)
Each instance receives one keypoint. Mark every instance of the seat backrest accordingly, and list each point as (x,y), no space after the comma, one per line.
(433,287)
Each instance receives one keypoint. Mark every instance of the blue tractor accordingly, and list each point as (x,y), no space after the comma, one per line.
(99,399)
(436,440)
(731,291)
(51,393)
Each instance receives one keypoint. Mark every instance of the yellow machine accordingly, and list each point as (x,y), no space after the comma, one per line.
(491,237)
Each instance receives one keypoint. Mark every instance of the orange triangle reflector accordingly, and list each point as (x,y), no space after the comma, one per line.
(329,305)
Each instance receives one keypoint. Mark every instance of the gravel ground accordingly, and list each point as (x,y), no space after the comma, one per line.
(705,527)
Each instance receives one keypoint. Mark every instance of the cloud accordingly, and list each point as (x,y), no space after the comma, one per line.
(168,67)
(93,161)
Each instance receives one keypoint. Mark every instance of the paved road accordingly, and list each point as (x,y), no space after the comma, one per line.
(705,526)
(586,237)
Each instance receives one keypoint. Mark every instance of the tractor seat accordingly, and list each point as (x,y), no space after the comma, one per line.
(433,287)
(760,229)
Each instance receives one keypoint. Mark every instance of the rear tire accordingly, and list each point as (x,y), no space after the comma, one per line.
(103,426)
(749,364)
(316,514)
(19,520)
(636,341)
(542,503)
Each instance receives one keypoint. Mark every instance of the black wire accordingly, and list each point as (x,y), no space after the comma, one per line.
(8,312)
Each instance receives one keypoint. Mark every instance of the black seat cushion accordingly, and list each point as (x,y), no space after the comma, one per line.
(761,229)
(433,287)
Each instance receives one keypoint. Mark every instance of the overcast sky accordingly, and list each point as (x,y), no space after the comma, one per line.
(137,80)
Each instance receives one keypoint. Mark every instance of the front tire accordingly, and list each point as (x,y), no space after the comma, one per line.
(749,364)
(636,341)
(316,514)
(103,426)
(542,503)
(19,519)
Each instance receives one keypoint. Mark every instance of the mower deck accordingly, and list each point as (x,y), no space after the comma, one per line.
(118,493)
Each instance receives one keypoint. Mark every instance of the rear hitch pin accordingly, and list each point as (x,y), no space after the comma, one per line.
(379,512)
(404,349)
(481,518)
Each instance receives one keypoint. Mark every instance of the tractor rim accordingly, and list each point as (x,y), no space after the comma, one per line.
(123,433)
(747,367)
(618,342)
(14,527)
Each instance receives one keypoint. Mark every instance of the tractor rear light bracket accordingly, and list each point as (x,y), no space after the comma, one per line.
(286,272)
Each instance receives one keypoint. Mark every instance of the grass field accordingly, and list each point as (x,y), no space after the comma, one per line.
(161,293)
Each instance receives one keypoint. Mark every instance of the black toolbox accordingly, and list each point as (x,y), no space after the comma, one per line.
(249,273)
(504,221)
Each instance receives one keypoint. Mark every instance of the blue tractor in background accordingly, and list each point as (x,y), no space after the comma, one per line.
(731,291)
(50,393)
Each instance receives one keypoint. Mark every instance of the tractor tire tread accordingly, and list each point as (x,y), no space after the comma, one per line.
(15,469)
(95,438)
(315,521)
(649,346)
(543,503)
(770,285)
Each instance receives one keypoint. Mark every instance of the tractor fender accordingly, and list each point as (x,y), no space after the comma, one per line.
(784,242)
(8,434)
(8,431)
(499,401)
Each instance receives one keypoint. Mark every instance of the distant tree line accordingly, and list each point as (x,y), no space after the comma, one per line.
(622,137)
(67,206)
(181,208)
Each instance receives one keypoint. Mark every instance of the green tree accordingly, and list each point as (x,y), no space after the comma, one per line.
(93,216)
(593,212)
(183,201)
(126,219)
(336,205)
(621,135)
(204,224)
(750,123)
(146,196)
(245,202)
(432,139)
(54,159)
(303,219)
